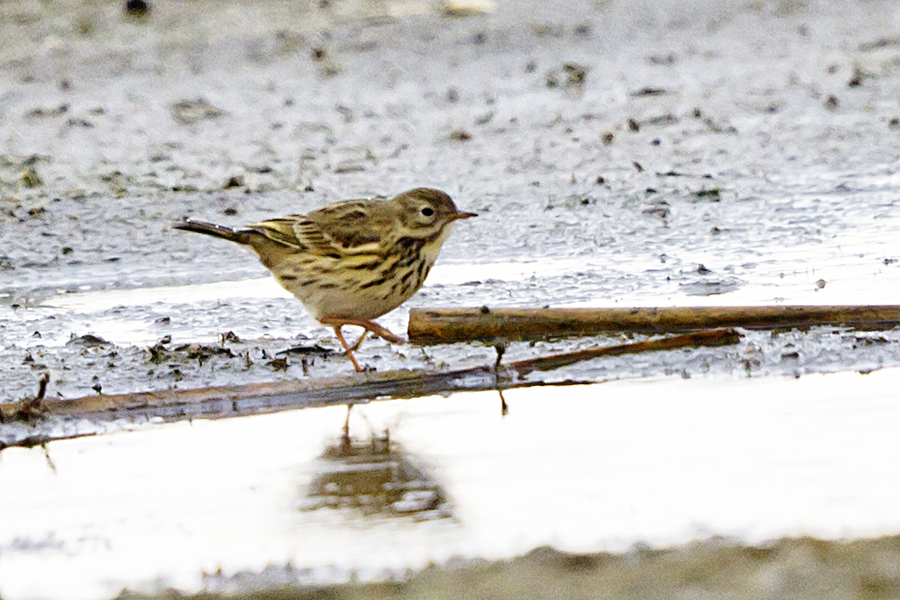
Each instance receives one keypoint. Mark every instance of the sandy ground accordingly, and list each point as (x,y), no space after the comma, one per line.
(791,569)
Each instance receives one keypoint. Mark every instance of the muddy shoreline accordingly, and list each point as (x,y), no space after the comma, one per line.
(795,569)
(658,154)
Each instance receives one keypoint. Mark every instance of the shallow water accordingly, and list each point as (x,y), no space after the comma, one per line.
(592,468)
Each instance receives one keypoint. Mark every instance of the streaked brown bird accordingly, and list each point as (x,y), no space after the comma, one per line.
(350,262)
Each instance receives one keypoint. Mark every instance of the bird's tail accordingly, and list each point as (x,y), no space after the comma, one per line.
(240,236)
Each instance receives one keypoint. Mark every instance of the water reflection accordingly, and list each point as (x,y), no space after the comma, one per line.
(375,477)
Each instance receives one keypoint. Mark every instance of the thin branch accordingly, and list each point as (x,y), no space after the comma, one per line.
(449,325)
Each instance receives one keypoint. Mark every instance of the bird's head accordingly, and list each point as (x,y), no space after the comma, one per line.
(428,213)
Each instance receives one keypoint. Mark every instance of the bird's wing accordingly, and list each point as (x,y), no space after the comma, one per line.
(280,230)
(349,227)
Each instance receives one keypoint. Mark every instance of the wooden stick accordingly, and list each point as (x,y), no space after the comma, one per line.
(712,337)
(258,398)
(447,325)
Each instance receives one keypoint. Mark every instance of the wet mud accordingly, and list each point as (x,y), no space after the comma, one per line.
(650,154)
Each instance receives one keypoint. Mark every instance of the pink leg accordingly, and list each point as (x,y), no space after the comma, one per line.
(371,326)
(359,342)
(347,348)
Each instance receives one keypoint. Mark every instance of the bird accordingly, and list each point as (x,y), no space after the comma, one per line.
(351,261)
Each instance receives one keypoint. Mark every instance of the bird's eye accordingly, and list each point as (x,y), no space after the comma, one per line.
(427,211)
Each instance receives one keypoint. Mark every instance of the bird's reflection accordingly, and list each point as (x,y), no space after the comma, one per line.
(375,476)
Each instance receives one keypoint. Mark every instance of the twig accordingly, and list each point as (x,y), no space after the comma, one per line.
(229,401)
(28,410)
(448,325)
(41,440)
(714,337)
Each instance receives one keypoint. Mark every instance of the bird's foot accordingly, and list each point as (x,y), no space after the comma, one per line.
(368,327)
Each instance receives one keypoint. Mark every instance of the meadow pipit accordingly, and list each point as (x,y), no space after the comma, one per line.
(351,261)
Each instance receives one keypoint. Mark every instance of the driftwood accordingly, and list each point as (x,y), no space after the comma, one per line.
(240,400)
(447,325)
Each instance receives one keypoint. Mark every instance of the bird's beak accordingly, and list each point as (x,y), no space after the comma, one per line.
(463,215)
